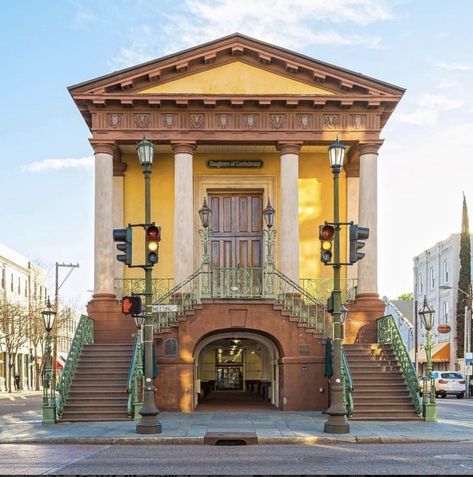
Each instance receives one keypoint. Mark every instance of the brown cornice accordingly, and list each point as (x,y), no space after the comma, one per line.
(103,146)
(371,147)
(183,147)
(290,147)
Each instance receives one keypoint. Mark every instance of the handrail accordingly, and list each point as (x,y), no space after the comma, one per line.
(84,335)
(175,289)
(300,303)
(322,288)
(129,286)
(348,384)
(135,379)
(388,332)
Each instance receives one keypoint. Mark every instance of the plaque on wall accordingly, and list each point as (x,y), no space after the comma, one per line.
(170,347)
(235,164)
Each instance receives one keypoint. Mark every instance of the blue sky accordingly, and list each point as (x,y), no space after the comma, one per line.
(422,45)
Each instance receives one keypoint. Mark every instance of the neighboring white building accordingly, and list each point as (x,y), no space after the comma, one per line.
(436,272)
(22,283)
(402,312)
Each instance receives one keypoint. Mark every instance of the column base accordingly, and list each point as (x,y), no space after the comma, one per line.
(149,425)
(429,412)
(49,415)
(110,324)
(360,326)
(336,425)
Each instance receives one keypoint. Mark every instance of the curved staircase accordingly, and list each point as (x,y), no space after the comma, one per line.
(380,392)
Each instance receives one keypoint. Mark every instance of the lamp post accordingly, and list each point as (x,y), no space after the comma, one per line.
(269,235)
(49,384)
(149,423)
(428,390)
(337,422)
(205,213)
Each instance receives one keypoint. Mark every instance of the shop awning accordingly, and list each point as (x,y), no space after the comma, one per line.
(440,353)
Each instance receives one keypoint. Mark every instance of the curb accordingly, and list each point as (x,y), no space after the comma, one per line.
(284,440)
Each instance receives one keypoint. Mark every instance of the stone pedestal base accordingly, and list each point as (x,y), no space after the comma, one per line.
(362,315)
(110,324)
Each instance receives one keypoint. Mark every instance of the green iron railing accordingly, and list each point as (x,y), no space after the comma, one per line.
(388,333)
(179,299)
(299,302)
(348,384)
(241,283)
(321,288)
(135,383)
(84,335)
(128,286)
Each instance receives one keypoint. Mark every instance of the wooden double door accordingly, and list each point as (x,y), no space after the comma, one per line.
(236,238)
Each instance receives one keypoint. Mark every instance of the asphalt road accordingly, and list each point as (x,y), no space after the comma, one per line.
(416,459)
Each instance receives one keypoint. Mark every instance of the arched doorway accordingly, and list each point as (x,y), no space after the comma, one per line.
(236,370)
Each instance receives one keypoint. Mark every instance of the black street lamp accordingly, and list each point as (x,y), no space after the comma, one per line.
(428,391)
(337,422)
(149,423)
(49,385)
(269,234)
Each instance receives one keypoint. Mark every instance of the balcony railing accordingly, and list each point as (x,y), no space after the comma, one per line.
(321,288)
(127,286)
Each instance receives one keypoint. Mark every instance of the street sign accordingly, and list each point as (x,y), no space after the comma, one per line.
(468,369)
(164,308)
(468,358)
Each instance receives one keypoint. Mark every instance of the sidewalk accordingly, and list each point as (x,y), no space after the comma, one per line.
(20,422)
(273,427)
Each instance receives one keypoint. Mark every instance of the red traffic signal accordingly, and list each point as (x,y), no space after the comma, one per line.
(326,236)
(131,305)
(153,237)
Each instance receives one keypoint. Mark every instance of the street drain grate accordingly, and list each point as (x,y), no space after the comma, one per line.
(230,438)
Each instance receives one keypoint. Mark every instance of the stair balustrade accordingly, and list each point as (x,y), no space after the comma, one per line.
(348,385)
(300,303)
(84,335)
(388,333)
(135,384)
(241,283)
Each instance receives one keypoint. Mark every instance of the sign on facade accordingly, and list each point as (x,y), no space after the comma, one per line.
(164,308)
(235,164)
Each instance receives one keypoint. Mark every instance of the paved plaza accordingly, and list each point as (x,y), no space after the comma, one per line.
(20,422)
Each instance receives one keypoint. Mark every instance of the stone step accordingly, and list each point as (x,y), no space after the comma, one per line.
(384,417)
(79,416)
(373,400)
(374,393)
(383,406)
(97,394)
(96,407)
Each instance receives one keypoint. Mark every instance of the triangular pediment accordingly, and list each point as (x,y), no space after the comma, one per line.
(267,69)
(237,78)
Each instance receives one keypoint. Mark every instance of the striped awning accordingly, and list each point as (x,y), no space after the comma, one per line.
(440,353)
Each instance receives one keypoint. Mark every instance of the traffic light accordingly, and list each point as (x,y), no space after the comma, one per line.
(357,236)
(131,305)
(326,234)
(153,237)
(124,237)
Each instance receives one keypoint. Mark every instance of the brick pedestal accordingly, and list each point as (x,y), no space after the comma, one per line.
(362,315)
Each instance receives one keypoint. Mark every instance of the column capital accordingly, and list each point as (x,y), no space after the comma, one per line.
(371,147)
(289,147)
(184,147)
(103,147)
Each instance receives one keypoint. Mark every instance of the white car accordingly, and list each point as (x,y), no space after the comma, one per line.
(449,382)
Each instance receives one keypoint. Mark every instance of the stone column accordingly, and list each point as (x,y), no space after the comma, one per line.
(110,326)
(288,239)
(103,243)
(183,211)
(353,199)
(361,324)
(118,210)
(368,217)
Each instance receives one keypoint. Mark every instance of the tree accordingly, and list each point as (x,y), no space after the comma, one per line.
(13,332)
(406,296)
(464,279)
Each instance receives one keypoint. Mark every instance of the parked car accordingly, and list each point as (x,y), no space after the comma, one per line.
(449,382)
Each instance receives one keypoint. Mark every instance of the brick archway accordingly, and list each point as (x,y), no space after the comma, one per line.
(273,357)
(300,353)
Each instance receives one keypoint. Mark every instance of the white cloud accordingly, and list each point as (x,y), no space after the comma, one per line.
(447,84)
(454,66)
(296,24)
(429,107)
(59,164)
